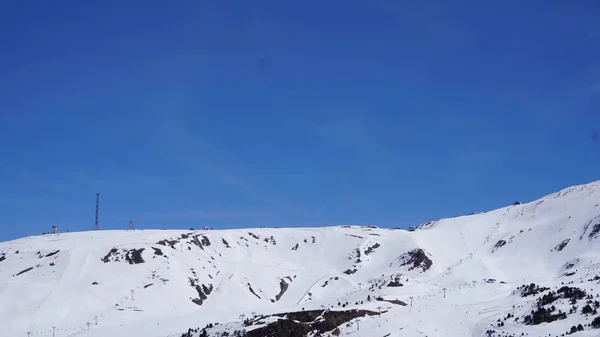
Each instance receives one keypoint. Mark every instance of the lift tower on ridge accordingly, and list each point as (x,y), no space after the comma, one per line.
(97,225)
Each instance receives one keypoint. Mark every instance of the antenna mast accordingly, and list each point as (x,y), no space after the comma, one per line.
(131,228)
(97,225)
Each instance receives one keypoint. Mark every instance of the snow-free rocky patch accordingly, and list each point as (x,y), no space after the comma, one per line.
(131,256)
(416,259)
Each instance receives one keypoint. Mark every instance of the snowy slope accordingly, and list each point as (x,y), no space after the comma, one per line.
(161,283)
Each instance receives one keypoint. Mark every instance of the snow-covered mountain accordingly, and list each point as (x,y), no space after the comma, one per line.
(530,269)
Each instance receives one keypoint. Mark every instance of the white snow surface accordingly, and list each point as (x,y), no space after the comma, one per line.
(75,293)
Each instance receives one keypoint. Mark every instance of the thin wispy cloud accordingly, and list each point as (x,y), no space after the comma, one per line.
(182,145)
(356,136)
(250,191)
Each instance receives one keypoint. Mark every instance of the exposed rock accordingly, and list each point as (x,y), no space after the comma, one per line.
(562,245)
(53,253)
(207,289)
(499,244)
(252,291)
(24,271)
(416,259)
(372,248)
(394,301)
(170,243)
(395,282)
(595,223)
(202,290)
(112,253)
(595,231)
(134,256)
(283,287)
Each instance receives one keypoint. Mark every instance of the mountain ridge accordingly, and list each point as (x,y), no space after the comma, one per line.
(182,279)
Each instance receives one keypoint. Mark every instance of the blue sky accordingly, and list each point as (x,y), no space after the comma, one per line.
(276,113)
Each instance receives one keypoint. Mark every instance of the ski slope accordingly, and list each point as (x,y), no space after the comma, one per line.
(461,275)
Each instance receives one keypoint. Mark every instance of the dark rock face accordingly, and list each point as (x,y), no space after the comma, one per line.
(395,282)
(394,301)
(158,252)
(52,254)
(595,231)
(112,253)
(200,241)
(283,288)
(24,271)
(252,291)
(202,290)
(356,254)
(499,244)
(372,248)
(207,289)
(416,259)
(132,256)
(170,243)
(595,224)
(562,245)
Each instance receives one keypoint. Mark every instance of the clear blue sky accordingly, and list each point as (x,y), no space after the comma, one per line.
(278,113)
